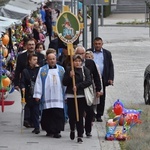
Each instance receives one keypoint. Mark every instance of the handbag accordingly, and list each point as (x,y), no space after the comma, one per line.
(88,92)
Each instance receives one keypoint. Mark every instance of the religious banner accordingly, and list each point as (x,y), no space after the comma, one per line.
(68,27)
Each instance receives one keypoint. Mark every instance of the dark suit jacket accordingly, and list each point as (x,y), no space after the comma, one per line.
(79,80)
(90,64)
(22,63)
(108,72)
(54,44)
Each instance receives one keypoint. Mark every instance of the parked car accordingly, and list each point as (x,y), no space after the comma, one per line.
(147,85)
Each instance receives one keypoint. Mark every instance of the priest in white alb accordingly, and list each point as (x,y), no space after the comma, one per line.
(49,92)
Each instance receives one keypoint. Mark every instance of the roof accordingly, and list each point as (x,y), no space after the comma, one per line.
(7,22)
(16,10)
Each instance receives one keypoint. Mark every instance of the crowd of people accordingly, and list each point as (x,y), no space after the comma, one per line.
(46,78)
(49,91)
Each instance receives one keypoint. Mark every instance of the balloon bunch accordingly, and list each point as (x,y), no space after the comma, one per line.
(126,118)
(4,80)
(125,115)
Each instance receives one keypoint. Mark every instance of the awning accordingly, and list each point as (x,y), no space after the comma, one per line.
(19,9)
(14,13)
(26,4)
(7,22)
(16,10)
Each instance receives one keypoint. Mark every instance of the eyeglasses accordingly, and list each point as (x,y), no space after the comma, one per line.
(80,53)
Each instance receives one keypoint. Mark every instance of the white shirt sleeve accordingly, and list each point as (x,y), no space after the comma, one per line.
(38,86)
(97,66)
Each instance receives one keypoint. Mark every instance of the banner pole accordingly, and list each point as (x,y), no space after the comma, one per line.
(70,48)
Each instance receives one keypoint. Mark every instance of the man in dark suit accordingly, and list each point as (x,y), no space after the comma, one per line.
(90,64)
(22,61)
(103,58)
(22,64)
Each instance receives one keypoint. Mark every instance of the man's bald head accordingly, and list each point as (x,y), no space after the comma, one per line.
(51,59)
(81,51)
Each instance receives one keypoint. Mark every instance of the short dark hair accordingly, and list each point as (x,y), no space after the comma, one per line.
(45,6)
(30,57)
(31,39)
(98,38)
(39,44)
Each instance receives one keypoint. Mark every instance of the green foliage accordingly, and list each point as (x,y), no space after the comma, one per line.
(134,22)
(110,113)
(140,134)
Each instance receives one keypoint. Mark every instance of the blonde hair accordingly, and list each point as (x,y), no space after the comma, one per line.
(36,24)
(90,53)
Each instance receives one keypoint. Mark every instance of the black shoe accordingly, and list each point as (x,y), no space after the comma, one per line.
(99,119)
(33,131)
(79,140)
(36,131)
(50,134)
(26,124)
(88,134)
(72,135)
(57,135)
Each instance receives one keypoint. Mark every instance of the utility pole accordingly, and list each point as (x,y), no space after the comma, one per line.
(94,24)
(71,5)
(63,4)
(94,32)
(85,26)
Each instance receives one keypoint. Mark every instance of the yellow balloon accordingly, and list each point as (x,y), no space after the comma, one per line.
(5,39)
(4,51)
(6,82)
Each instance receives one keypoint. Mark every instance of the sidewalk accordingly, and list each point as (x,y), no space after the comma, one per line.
(113,19)
(12,138)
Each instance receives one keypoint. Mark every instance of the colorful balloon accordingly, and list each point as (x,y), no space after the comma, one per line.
(126,115)
(5,39)
(118,109)
(4,51)
(126,118)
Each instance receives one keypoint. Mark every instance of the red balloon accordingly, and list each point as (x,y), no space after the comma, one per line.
(118,109)
(129,119)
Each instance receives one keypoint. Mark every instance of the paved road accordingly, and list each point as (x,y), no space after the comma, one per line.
(130,47)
